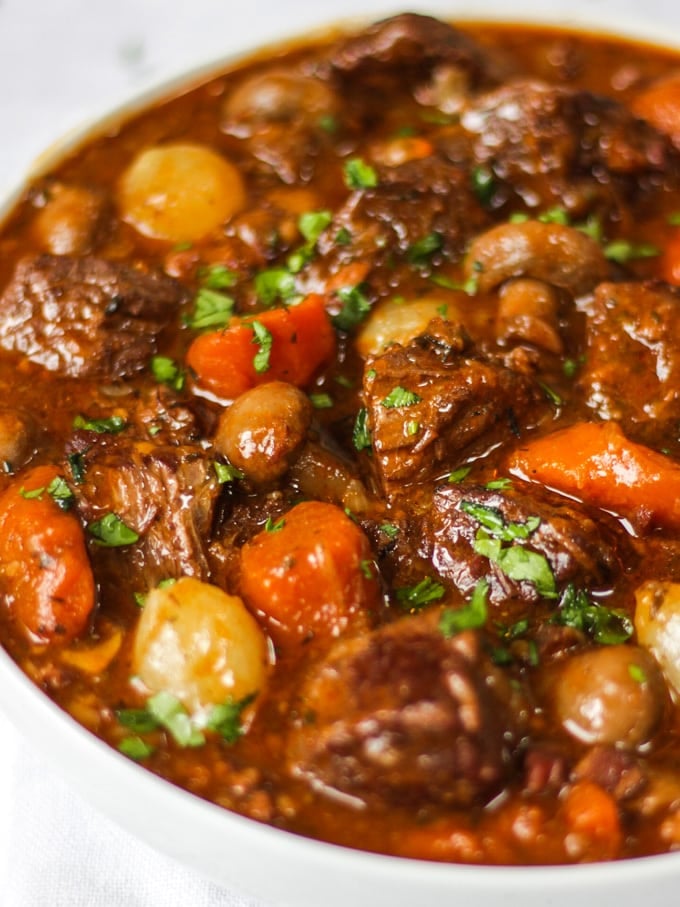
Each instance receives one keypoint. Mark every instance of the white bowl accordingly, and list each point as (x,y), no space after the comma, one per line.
(283,868)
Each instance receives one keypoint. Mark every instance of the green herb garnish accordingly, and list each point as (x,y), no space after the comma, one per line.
(111,426)
(263,339)
(275,284)
(607,626)
(174,718)
(359,175)
(355,308)
(226,718)
(400,397)
(471,617)
(111,532)
(361,435)
(166,371)
(212,309)
(413,598)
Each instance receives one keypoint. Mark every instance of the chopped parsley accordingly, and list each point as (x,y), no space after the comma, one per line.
(420,252)
(555,215)
(141,721)
(637,673)
(516,562)
(135,748)
(60,493)
(471,617)
(35,494)
(499,484)
(328,123)
(366,569)
(483,184)
(413,598)
(492,520)
(622,251)
(390,530)
(551,395)
(212,309)
(355,308)
(274,525)
(321,401)
(225,472)
(343,237)
(217,277)
(312,224)
(76,462)
(275,284)
(174,718)
(399,397)
(263,339)
(361,435)
(225,718)
(166,371)
(359,175)
(111,532)
(58,490)
(607,626)
(111,426)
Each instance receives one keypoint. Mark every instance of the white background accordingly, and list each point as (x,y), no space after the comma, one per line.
(63,62)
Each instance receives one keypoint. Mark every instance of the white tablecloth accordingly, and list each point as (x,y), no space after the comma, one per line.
(56,851)
(61,63)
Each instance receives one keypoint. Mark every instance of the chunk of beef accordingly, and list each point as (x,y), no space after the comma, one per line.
(86,316)
(165,492)
(412,202)
(554,145)
(442,733)
(460,403)
(420,52)
(577,549)
(632,368)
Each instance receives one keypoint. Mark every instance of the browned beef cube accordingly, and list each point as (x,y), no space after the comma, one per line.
(576,548)
(421,200)
(86,316)
(632,369)
(442,733)
(453,403)
(164,492)
(565,147)
(409,47)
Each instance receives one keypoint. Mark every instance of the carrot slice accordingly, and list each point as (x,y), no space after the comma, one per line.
(312,576)
(46,573)
(294,344)
(659,104)
(593,824)
(595,462)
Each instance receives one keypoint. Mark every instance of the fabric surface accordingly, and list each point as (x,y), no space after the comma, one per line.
(58,852)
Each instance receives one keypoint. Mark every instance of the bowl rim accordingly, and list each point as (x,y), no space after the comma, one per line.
(49,717)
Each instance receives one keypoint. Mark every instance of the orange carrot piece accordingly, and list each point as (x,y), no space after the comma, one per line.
(312,576)
(46,573)
(670,259)
(302,340)
(593,824)
(659,104)
(595,462)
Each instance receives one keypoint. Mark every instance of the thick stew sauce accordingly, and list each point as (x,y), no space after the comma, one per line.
(340,441)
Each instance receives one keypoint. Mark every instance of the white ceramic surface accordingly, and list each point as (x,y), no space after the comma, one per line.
(85,58)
